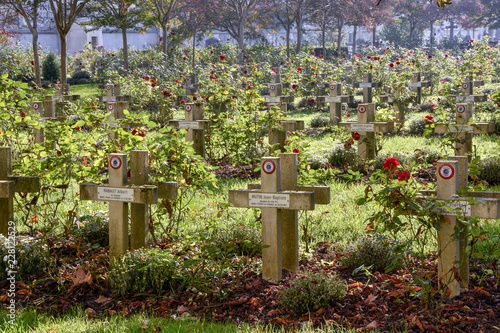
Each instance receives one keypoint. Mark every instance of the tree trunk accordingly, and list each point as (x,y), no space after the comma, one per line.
(374,32)
(323,40)
(288,43)
(431,39)
(64,78)
(164,44)
(354,33)
(36,57)
(339,36)
(125,49)
(452,28)
(194,47)
(241,39)
(299,35)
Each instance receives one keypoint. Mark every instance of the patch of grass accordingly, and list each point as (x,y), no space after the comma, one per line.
(30,321)
(85,90)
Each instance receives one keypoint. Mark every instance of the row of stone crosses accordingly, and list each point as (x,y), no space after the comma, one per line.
(278,196)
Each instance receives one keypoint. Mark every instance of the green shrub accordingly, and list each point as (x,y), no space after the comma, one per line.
(144,269)
(426,155)
(416,126)
(490,170)
(372,251)
(311,291)
(354,103)
(339,157)
(239,240)
(95,229)
(31,256)
(426,107)
(319,121)
(317,162)
(50,68)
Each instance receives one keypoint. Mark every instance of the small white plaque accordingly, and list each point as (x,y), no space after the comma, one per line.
(460,128)
(269,200)
(465,207)
(362,127)
(189,124)
(415,85)
(365,85)
(115,194)
(273,99)
(109,98)
(332,99)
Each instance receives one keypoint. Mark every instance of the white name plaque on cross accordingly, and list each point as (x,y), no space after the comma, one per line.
(365,85)
(464,206)
(273,99)
(461,128)
(362,127)
(115,194)
(269,200)
(188,124)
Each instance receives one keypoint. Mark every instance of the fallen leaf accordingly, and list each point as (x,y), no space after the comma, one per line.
(103,300)
(90,312)
(273,312)
(370,299)
(372,325)
(81,277)
(182,309)
(156,328)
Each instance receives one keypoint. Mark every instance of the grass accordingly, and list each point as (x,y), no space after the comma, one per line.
(30,321)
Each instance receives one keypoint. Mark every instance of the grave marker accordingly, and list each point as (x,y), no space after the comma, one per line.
(366,127)
(139,174)
(335,99)
(119,194)
(367,86)
(417,84)
(452,175)
(275,197)
(195,125)
(277,137)
(397,107)
(9,185)
(113,94)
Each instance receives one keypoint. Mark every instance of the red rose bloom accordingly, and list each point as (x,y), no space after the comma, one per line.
(296,151)
(391,65)
(348,114)
(23,114)
(429,117)
(404,175)
(299,69)
(356,136)
(294,86)
(222,57)
(391,163)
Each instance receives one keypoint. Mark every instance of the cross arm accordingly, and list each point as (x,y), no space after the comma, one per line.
(339,99)
(475,128)
(292,125)
(25,184)
(471,98)
(367,84)
(279,99)
(422,84)
(290,200)
(379,127)
(166,190)
(135,194)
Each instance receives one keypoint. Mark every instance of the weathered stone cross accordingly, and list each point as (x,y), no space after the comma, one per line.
(280,198)
(367,86)
(452,175)
(119,195)
(336,99)
(9,185)
(277,137)
(195,125)
(113,94)
(366,127)
(417,84)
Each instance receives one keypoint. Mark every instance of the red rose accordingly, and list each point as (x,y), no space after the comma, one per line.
(146,78)
(429,117)
(322,56)
(294,86)
(391,65)
(404,175)
(245,71)
(391,163)
(356,136)
(430,57)
(195,98)
(299,69)
(296,151)
(434,106)
(249,87)
(222,57)
(58,152)
(184,58)
(32,62)
(23,114)
(313,53)
(77,128)
(348,114)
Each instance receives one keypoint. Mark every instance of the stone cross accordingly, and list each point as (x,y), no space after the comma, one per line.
(367,86)
(195,125)
(280,198)
(9,185)
(336,99)
(47,113)
(113,94)
(191,85)
(62,92)
(116,110)
(366,127)
(462,129)
(452,175)
(119,195)
(277,137)
(139,221)
(417,84)
(397,107)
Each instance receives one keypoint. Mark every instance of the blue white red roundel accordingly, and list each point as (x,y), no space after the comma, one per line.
(332,87)
(361,109)
(461,108)
(111,106)
(465,85)
(36,106)
(188,107)
(446,171)
(365,75)
(115,162)
(108,87)
(272,87)
(268,166)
